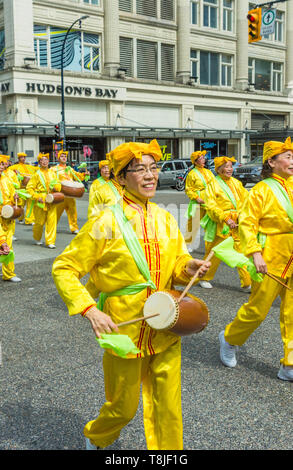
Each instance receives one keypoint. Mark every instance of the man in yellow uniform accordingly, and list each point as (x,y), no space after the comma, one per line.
(66,173)
(224,197)
(42,183)
(102,248)
(24,170)
(266,232)
(104,191)
(196,182)
(7,196)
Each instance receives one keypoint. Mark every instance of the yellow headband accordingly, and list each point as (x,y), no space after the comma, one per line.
(104,163)
(219,161)
(124,153)
(273,148)
(4,158)
(62,152)
(21,154)
(195,155)
(41,155)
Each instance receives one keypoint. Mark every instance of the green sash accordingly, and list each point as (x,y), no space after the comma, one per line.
(1,198)
(137,253)
(227,190)
(192,206)
(115,191)
(281,195)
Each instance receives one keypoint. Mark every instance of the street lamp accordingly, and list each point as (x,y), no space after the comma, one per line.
(62,79)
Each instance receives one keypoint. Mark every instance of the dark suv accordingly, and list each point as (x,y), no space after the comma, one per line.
(249,172)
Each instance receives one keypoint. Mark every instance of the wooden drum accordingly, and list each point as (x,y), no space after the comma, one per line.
(54,198)
(11,212)
(25,181)
(189,316)
(72,188)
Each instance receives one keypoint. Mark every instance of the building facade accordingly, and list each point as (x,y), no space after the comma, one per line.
(181,71)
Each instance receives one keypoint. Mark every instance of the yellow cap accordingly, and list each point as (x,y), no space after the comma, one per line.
(195,155)
(104,163)
(21,154)
(41,155)
(219,161)
(62,152)
(124,153)
(272,148)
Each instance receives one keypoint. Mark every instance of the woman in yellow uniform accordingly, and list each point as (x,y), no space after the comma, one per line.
(42,183)
(25,170)
(101,248)
(266,232)
(7,196)
(196,182)
(104,191)
(224,197)
(66,173)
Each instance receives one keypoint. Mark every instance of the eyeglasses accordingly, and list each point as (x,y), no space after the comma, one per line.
(142,170)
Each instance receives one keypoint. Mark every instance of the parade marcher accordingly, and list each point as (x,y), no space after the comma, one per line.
(66,173)
(104,190)
(7,196)
(266,232)
(102,249)
(41,184)
(195,186)
(24,170)
(224,197)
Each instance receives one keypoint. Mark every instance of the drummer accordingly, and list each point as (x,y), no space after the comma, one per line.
(105,190)
(42,183)
(66,173)
(196,182)
(7,226)
(23,169)
(100,249)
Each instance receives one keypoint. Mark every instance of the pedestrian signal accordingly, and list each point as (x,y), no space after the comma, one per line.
(57,131)
(254,25)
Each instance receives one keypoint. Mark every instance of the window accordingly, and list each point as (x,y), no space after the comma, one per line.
(167,10)
(265,75)
(210,13)
(125,5)
(193,11)
(147,60)
(81,52)
(278,35)
(126,55)
(214,69)
(167,62)
(146,7)
(2,49)
(228,15)
(92,2)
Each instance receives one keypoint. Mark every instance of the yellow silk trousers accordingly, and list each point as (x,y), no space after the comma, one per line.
(69,205)
(252,314)
(47,218)
(9,228)
(160,376)
(244,276)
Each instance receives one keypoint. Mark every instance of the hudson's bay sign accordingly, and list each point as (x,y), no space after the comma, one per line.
(77,91)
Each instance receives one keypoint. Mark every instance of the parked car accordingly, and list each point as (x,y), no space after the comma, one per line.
(170,169)
(249,172)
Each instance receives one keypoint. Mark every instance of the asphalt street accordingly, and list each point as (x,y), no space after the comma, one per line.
(51,378)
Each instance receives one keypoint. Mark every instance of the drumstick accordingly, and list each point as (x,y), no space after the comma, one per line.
(278,280)
(192,281)
(138,319)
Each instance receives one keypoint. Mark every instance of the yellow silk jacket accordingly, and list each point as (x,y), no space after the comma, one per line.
(194,183)
(262,212)
(36,188)
(24,168)
(7,196)
(71,175)
(12,176)
(218,205)
(102,195)
(100,250)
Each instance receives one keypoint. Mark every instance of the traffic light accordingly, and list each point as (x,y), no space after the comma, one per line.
(254,25)
(56,132)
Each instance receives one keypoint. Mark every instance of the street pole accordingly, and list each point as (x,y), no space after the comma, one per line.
(62,78)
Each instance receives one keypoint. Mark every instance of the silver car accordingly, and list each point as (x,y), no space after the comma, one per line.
(169,170)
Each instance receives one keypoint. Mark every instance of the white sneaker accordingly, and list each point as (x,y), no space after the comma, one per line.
(246,289)
(14,239)
(39,243)
(75,232)
(51,246)
(286,373)
(14,279)
(21,222)
(205,284)
(89,445)
(227,352)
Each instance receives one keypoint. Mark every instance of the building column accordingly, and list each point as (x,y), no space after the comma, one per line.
(242,45)
(18,24)
(111,38)
(183,41)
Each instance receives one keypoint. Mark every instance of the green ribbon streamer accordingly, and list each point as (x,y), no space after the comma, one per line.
(23,194)
(121,344)
(82,165)
(5,259)
(281,195)
(210,228)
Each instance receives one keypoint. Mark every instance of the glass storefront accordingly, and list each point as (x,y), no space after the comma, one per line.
(169,147)
(214,148)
